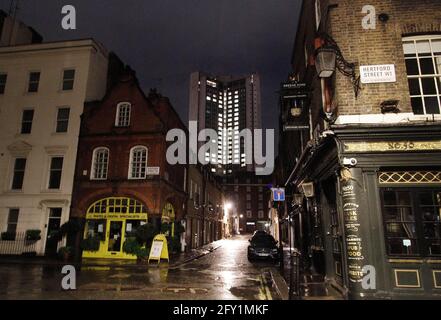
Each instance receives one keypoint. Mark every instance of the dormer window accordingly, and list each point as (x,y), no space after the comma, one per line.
(123,114)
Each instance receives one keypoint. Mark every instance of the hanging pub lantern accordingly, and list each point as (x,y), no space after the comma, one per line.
(294,96)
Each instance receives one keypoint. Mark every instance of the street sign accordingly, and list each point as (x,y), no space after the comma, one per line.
(384,73)
(153,171)
(278,194)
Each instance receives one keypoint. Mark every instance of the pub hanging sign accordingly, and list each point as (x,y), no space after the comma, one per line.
(294,96)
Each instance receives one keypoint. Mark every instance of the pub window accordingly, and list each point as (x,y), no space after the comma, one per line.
(3,78)
(423,63)
(412,221)
(138,163)
(100,164)
(123,114)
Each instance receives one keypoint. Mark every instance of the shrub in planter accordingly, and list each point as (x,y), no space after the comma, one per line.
(145,233)
(143,253)
(8,236)
(131,246)
(91,243)
(33,235)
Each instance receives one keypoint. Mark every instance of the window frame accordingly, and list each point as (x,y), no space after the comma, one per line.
(64,79)
(131,163)
(3,84)
(57,120)
(51,158)
(23,122)
(422,245)
(14,171)
(118,117)
(93,166)
(420,77)
(14,223)
(33,82)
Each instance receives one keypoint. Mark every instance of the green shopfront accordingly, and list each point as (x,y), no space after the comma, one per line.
(375,213)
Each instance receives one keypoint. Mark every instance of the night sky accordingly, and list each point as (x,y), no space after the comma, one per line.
(166,40)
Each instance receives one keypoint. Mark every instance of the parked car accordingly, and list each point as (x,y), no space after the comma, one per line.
(263,246)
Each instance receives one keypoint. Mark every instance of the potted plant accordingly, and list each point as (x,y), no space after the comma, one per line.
(33,235)
(133,247)
(64,253)
(91,243)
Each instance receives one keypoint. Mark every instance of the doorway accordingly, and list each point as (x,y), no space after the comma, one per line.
(53,226)
(115,237)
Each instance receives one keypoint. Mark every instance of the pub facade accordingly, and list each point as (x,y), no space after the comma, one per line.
(364,175)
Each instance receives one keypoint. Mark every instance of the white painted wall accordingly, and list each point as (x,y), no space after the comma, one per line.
(90,62)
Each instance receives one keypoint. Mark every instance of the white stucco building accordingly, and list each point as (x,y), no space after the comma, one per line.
(43,88)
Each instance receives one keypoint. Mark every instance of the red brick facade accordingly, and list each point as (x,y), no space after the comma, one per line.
(151,118)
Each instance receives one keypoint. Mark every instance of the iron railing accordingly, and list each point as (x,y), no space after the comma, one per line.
(17,244)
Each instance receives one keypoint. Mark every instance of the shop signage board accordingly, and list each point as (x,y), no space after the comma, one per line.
(384,73)
(352,226)
(103,216)
(392,146)
(159,249)
(153,171)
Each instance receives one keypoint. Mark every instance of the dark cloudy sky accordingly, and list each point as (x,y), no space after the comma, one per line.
(165,40)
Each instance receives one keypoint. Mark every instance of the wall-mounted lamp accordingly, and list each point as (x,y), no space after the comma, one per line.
(325,62)
(308,189)
(329,58)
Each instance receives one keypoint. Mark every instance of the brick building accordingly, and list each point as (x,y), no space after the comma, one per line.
(249,196)
(205,219)
(361,154)
(122,178)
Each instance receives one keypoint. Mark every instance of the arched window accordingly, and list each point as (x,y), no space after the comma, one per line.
(123,114)
(100,164)
(138,163)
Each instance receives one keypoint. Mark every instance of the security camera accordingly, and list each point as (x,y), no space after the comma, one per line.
(350,162)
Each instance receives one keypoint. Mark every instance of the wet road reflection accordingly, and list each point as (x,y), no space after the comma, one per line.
(222,274)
